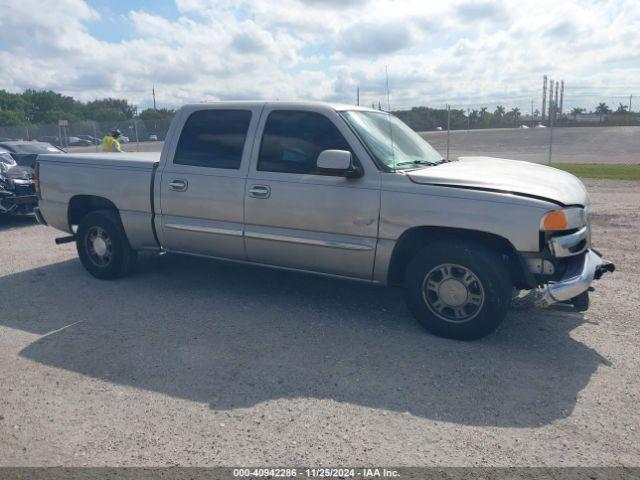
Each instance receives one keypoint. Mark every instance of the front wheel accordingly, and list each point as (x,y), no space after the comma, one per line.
(103,247)
(458,290)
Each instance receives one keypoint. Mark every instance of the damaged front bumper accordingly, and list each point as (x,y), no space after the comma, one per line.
(17,204)
(582,270)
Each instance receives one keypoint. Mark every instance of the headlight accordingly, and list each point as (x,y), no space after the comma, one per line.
(6,161)
(565,219)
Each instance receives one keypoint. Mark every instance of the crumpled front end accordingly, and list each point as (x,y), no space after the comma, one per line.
(17,192)
(567,264)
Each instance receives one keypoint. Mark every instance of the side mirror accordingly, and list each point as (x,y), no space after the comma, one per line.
(338,162)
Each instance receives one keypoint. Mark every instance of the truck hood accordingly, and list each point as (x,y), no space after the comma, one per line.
(509,176)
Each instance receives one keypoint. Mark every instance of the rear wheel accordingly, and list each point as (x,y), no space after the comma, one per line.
(458,290)
(103,247)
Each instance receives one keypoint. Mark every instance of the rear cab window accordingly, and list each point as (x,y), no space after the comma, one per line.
(213,138)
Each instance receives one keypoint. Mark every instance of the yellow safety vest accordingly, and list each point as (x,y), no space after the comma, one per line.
(110,144)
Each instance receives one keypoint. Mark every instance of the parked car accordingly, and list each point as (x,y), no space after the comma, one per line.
(17,192)
(153,138)
(335,190)
(25,153)
(53,140)
(89,138)
(77,142)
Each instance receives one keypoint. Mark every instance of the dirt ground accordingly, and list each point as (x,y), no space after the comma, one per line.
(193,362)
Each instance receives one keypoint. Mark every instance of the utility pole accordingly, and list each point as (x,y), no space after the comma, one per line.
(153,91)
(561,97)
(550,98)
(448,129)
(358,96)
(544,95)
(551,122)
(468,120)
(386,71)
(630,97)
(532,119)
(555,103)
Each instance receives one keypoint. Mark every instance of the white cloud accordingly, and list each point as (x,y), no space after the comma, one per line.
(460,52)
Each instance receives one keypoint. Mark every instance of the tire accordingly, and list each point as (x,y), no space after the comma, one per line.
(458,290)
(111,256)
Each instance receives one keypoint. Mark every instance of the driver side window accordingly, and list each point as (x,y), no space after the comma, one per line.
(292,141)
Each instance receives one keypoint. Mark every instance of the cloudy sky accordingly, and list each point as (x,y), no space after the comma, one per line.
(463,52)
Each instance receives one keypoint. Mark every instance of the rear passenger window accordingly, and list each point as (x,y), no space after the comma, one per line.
(213,138)
(292,141)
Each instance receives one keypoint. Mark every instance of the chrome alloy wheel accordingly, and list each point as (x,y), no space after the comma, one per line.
(453,293)
(99,246)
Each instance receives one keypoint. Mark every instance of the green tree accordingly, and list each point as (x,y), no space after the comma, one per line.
(108,109)
(514,114)
(10,118)
(159,114)
(575,111)
(602,109)
(622,108)
(41,105)
(11,101)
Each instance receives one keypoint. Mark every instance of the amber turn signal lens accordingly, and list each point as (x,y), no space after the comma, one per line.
(555,220)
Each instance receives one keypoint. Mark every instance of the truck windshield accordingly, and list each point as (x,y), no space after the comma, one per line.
(391,141)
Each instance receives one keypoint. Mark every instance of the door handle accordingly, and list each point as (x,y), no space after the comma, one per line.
(260,191)
(178,185)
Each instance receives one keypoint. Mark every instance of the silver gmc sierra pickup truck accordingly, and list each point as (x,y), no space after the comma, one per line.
(336,190)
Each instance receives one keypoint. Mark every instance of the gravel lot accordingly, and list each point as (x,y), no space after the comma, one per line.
(570,144)
(193,362)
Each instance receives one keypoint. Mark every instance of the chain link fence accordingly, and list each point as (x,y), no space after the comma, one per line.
(457,131)
(90,133)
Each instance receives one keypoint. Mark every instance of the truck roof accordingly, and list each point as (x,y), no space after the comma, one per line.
(284,104)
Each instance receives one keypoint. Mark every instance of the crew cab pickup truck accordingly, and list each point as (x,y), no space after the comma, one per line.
(335,190)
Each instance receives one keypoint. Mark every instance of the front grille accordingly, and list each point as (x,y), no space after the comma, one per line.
(21,190)
(569,243)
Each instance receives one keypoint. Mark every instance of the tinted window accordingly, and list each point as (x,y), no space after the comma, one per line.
(293,140)
(213,138)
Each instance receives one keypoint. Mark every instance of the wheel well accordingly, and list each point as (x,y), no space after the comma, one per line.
(414,239)
(81,205)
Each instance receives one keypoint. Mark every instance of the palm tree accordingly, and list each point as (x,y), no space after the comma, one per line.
(622,108)
(515,114)
(499,111)
(601,109)
(575,111)
(483,112)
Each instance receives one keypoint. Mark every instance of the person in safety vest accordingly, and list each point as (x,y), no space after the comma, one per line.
(110,142)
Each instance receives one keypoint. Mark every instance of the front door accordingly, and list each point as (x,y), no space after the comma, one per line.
(299,217)
(202,183)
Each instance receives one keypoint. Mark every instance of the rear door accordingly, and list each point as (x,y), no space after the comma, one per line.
(299,217)
(203,179)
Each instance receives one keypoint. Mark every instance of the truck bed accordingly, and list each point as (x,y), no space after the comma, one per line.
(141,160)
(123,179)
